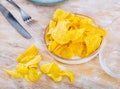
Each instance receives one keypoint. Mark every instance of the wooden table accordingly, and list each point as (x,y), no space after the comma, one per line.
(88,75)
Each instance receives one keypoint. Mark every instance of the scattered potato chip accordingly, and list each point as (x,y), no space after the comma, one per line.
(70,35)
(22,69)
(70,75)
(14,73)
(33,75)
(34,61)
(28,55)
(54,72)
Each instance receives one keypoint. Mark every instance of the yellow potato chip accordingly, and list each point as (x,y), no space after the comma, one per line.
(80,46)
(54,68)
(28,55)
(69,74)
(60,34)
(76,35)
(27,78)
(48,38)
(59,49)
(60,15)
(50,68)
(54,72)
(14,73)
(86,20)
(33,66)
(92,43)
(33,75)
(57,77)
(34,61)
(52,24)
(45,68)
(52,45)
(22,69)
(67,52)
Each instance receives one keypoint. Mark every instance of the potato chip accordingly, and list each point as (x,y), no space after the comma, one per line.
(33,75)
(60,15)
(60,34)
(67,52)
(59,49)
(76,35)
(92,43)
(69,74)
(28,55)
(22,69)
(34,61)
(54,72)
(52,45)
(81,46)
(14,73)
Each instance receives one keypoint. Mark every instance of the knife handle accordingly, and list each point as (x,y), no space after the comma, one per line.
(3,9)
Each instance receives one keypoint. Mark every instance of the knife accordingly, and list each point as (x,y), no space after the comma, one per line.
(12,20)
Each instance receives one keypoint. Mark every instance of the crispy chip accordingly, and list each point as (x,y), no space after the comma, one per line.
(14,73)
(67,52)
(34,61)
(54,72)
(22,69)
(28,55)
(33,75)
(76,35)
(69,74)
(52,45)
(92,43)
(60,15)
(60,34)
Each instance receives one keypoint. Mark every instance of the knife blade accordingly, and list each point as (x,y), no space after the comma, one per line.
(12,20)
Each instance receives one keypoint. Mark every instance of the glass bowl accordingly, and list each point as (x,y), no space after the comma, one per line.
(110,51)
(75,60)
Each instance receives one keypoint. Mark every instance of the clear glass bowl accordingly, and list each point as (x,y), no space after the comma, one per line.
(110,52)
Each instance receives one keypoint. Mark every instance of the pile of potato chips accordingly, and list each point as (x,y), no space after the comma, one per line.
(28,68)
(69,35)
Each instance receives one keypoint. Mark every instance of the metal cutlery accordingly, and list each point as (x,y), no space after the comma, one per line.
(26,18)
(12,20)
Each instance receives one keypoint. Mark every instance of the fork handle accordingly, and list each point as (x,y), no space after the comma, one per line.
(13,3)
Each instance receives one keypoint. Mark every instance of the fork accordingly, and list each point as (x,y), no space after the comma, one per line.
(26,18)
